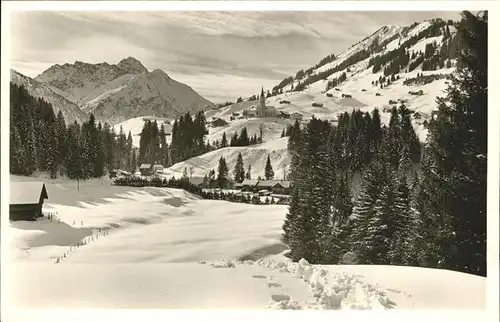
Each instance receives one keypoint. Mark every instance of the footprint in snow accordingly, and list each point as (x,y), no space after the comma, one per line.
(259,276)
(280,297)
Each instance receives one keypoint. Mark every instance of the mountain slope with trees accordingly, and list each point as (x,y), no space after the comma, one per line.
(433,215)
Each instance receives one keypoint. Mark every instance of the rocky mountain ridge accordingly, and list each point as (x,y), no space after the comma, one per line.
(115,93)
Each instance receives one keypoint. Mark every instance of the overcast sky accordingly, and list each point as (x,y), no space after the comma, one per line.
(222,55)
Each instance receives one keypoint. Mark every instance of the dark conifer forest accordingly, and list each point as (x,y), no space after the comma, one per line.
(42,141)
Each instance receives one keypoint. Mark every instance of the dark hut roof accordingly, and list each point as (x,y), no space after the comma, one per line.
(22,193)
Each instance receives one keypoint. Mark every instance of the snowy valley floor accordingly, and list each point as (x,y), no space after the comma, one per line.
(165,248)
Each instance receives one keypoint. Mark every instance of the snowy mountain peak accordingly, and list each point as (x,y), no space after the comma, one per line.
(160,73)
(132,66)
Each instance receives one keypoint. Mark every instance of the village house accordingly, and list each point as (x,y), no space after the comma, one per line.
(285,115)
(279,187)
(157,168)
(146,169)
(297,116)
(249,113)
(218,122)
(26,200)
(249,185)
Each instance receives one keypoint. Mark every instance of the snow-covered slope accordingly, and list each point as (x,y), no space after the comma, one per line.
(70,110)
(360,78)
(255,156)
(115,93)
(271,128)
(165,248)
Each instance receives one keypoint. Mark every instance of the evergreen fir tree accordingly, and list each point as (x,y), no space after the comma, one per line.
(61,136)
(52,153)
(17,164)
(363,212)
(222,172)
(248,174)
(455,162)
(163,157)
(223,143)
(100,161)
(269,173)
(243,139)
(235,140)
(239,170)
(133,167)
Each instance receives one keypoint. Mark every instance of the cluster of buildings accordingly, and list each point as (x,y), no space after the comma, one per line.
(147,169)
(279,187)
(260,110)
(27,198)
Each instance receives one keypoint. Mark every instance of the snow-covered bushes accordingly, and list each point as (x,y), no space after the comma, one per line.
(157,182)
(349,258)
(243,198)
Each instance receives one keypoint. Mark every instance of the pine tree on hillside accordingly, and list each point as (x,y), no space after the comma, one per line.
(61,136)
(376,130)
(244,140)
(235,141)
(408,134)
(223,143)
(403,247)
(392,141)
(248,174)
(85,151)
(100,162)
(174,146)
(52,153)
(362,239)
(222,172)
(30,148)
(211,178)
(342,210)
(239,170)
(17,164)
(128,150)
(109,146)
(455,162)
(74,156)
(163,158)
(268,171)
(133,166)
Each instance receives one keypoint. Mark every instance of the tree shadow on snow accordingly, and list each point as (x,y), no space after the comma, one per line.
(259,253)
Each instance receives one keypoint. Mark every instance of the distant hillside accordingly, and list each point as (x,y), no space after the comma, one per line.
(379,71)
(255,156)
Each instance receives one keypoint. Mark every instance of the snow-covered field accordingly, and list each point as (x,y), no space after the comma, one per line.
(166,248)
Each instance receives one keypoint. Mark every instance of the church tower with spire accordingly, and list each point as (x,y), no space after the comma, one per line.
(261,111)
